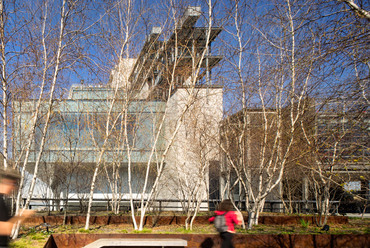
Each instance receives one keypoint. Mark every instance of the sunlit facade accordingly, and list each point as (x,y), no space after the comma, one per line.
(151,121)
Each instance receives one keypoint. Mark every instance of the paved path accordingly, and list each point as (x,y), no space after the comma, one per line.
(358,215)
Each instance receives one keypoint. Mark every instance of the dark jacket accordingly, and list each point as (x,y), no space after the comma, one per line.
(4,216)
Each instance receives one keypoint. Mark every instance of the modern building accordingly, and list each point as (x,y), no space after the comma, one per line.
(247,140)
(158,114)
(343,130)
(339,145)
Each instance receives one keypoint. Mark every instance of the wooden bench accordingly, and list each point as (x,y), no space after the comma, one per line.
(138,242)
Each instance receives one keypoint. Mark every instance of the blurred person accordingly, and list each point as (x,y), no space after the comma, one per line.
(8,182)
(225,220)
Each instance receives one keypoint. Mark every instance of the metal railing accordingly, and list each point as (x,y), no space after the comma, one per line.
(104,204)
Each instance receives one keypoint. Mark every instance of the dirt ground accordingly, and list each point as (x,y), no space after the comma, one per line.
(36,236)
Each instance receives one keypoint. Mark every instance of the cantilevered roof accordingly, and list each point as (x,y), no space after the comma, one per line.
(191,42)
(198,34)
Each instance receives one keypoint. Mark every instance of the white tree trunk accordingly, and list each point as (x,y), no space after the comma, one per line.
(48,114)
(4,82)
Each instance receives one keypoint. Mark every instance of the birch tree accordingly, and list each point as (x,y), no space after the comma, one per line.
(121,15)
(201,131)
(186,99)
(160,51)
(14,27)
(339,108)
(40,102)
(258,140)
(5,92)
(56,51)
(356,8)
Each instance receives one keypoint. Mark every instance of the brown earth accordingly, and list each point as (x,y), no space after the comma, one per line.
(289,228)
(213,240)
(151,221)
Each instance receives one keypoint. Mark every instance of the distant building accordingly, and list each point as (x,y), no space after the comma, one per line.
(343,131)
(340,140)
(143,86)
(248,145)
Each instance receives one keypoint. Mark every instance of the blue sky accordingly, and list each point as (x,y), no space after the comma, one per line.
(100,41)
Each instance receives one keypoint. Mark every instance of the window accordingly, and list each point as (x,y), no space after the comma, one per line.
(353,186)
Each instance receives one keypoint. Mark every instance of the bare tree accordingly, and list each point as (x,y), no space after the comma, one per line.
(5,94)
(13,31)
(121,22)
(57,50)
(201,129)
(39,102)
(258,140)
(339,109)
(361,12)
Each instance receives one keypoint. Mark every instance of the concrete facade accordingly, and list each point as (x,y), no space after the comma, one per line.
(138,96)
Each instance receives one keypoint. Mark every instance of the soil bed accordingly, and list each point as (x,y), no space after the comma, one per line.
(213,240)
(153,220)
(36,235)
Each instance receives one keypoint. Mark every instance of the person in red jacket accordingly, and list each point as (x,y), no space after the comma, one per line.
(226,208)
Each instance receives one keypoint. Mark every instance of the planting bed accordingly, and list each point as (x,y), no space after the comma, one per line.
(213,240)
(170,220)
(273,231)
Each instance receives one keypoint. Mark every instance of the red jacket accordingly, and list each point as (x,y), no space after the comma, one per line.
(231,219)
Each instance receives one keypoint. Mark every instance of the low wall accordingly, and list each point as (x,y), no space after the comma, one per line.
(212,240)
(169,220)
